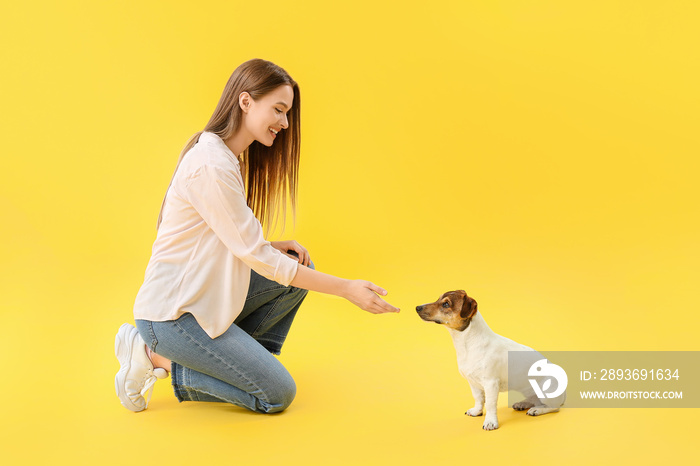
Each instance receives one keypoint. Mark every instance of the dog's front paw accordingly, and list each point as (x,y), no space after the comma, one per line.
(490,424)
(535,412)
(474,412)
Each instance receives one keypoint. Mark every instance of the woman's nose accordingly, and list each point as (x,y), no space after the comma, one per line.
(284,123)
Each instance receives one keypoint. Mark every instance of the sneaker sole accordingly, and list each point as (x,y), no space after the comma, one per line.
(123,343)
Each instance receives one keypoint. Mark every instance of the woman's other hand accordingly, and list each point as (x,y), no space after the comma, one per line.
(291,245)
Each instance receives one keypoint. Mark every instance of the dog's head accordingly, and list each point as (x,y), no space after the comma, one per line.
(453,309)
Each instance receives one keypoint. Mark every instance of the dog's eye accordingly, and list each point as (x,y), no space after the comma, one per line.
(446,304)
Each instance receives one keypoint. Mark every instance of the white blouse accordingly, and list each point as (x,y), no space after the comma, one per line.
(207,243)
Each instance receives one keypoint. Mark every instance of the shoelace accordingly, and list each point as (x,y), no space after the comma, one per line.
(148,386)
(151,376)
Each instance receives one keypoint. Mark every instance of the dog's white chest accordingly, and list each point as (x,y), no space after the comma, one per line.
(481,355)
(467,360)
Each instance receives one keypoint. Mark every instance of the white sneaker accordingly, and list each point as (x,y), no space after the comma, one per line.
(136,375)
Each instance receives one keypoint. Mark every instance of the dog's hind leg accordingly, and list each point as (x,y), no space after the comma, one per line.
(527,403)
(550,405)
(540,410)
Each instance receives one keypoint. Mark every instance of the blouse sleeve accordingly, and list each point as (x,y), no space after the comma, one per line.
(219,197)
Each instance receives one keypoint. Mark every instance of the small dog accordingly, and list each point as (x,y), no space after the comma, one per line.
(482,356)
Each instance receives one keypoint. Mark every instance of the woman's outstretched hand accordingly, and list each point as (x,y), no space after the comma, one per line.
(363,294)
(366,296)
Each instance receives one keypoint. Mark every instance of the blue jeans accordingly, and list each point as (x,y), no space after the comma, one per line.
(236,367)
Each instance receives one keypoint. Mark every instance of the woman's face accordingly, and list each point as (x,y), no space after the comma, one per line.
(267,116)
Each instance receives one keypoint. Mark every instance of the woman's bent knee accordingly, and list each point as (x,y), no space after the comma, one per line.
(281,399)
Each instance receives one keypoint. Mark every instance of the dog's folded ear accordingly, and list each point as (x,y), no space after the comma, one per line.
(469,308)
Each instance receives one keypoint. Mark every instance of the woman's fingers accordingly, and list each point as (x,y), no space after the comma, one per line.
(304,258)
(292,256)
(378,289)
(302,255)
(378,304)
(383,307)
(366,296)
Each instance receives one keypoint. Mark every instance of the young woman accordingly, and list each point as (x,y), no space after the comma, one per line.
(218,299)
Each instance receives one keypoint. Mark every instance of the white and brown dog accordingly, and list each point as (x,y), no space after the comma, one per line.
(482,357)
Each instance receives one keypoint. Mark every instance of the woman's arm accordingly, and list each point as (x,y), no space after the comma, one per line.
(361,293)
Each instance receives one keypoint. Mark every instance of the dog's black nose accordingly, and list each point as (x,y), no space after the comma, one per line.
(419,308)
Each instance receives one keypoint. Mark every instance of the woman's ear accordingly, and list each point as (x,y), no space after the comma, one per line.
(244,100)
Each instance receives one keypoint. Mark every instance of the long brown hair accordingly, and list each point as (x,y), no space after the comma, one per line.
(271,173)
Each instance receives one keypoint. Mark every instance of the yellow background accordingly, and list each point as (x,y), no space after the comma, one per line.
(542,155)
